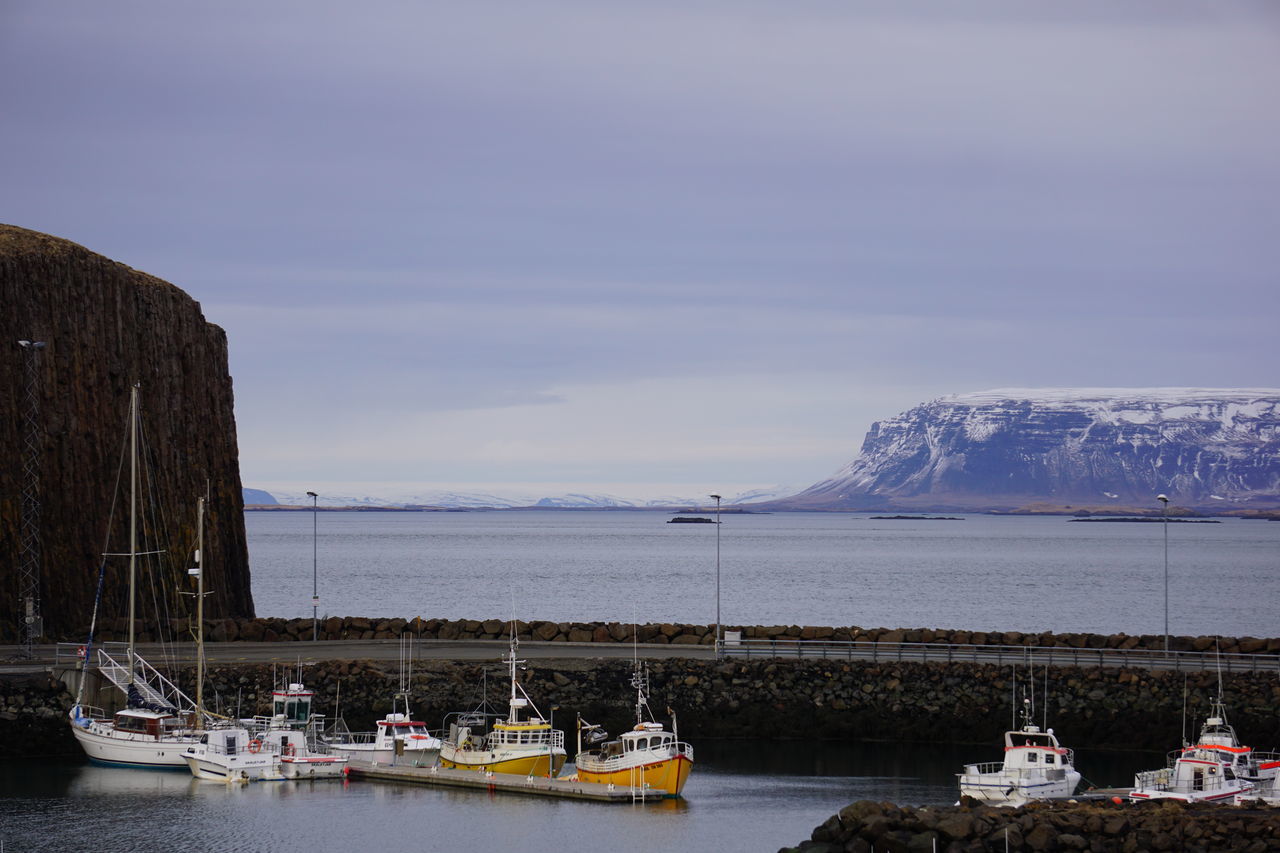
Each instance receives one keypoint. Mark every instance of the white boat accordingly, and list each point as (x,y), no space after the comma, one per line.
(524,743)
(292,733)
(234,754)
(1217,768)
(648,756)
(397,737)
(1035,767)
(159,722)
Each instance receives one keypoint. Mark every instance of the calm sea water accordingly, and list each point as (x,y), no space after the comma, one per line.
(981,573)
(741,796)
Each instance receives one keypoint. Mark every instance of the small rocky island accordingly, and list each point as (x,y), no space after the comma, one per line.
(691,519)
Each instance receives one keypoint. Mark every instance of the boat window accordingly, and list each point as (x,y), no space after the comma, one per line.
(1032,757)
(1048,758)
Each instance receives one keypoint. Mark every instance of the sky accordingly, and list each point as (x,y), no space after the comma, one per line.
(658,248)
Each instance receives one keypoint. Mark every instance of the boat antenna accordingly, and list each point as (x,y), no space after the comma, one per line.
(1013,699)
(1045,712)
(1184,710)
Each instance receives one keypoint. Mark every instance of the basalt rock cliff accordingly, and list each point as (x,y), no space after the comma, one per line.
(1208,449)
(105,327)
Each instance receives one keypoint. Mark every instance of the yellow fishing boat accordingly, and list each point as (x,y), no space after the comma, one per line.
(648,756)
(524,743)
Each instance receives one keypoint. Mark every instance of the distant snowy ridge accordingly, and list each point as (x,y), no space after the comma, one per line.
(1085,446)
(481,500)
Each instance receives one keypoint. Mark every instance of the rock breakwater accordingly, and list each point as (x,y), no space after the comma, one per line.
(1091,708)
(365,628)
(1102,827)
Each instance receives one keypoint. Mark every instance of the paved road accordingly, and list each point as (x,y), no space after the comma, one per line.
(327,650)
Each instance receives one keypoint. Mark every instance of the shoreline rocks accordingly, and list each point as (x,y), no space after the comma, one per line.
(1100,827)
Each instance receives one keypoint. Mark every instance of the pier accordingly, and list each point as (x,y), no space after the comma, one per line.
(505,783)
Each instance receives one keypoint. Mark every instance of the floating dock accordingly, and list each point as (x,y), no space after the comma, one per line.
(506,783)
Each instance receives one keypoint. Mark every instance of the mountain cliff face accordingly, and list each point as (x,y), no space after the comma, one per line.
(1209,448)
(107,326)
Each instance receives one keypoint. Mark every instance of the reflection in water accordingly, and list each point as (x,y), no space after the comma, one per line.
(743,795)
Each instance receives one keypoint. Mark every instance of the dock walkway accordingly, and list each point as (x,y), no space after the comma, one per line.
(506,783)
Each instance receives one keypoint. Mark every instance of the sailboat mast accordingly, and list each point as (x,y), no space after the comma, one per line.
(133,523)
(199,611)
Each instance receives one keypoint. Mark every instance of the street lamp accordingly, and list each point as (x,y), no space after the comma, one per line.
(315,589)
(1164,522)
(717,500)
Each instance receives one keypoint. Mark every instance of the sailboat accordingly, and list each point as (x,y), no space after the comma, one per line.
(159,722)
(648,756)
(524,743)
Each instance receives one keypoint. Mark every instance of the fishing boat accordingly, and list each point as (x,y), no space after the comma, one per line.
(396,734)
(292,732)
(1035,765)
(1216,768)
(523,743)
(159,722)
(648,756)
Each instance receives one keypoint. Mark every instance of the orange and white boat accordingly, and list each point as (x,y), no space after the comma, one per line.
(648,756)
(524,743)
(1216,768)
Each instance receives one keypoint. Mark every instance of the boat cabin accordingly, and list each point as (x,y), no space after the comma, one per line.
(399,727)
(1029,747)
(292,705)
(141,721)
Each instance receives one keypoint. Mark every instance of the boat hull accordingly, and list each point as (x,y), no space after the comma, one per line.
(223,768)
(668,775)
(1006,792)
(385,755)
(320,767)
(102,744)
(516,763)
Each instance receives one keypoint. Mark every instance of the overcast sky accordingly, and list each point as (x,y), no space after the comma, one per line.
(658,247)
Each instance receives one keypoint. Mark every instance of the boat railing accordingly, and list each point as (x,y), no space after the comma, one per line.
(983,768)
(264,748)
(1000,654)
(1153,780)
(557,739)
(599,764)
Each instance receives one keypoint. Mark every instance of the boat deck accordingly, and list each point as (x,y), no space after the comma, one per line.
(506,783)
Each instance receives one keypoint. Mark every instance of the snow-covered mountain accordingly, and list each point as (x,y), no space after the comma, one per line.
(1010,447)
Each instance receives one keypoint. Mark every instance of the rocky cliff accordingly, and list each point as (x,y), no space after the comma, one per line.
(1213,449)
(107,326)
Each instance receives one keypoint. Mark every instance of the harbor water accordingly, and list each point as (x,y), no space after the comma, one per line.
(984,572)
(742,796)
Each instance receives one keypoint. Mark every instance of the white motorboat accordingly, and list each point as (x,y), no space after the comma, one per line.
(1217,768)
(159,722)
(1035,767)
(234,754)
(397,737)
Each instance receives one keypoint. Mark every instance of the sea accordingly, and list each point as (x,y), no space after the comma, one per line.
(973,572)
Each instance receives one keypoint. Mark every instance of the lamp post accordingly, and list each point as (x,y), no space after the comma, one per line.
(315,588)
(717,500)
(1164,522)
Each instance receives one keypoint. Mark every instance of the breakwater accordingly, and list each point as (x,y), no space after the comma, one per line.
(362,628)
(1090,708)
(1099,827)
